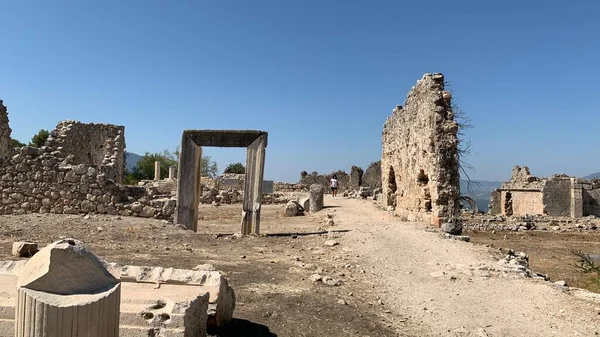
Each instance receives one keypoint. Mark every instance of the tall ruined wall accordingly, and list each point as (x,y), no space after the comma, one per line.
(557,196)
(100,145)
(372,176)
(419,163)
(6,149)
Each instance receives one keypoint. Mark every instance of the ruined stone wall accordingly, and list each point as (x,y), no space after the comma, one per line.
(495,205)
(43,180)
(525,202)
(557,197)
(324,179)
(419,163)
(99,145)
(355,180)
(6,149)
(590,197)
(372,175)
(289,187)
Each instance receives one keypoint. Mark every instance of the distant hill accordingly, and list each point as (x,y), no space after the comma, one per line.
(593,176)
(132,160)
(480,191)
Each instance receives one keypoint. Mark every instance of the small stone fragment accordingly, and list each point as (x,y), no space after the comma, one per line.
(331,243)
(24,249)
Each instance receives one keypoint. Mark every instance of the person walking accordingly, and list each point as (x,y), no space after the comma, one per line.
(334,185)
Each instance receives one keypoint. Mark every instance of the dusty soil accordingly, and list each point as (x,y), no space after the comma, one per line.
(550,253)
(398,279)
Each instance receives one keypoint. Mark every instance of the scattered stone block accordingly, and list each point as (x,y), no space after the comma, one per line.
(24,249)
(222,297)
(49,292)
(316,197)
(454,227)
(292,208)
(331,243)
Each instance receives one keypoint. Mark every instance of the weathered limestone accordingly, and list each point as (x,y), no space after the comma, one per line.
(316,197)
(255,167)
(6,149)
(221,302)
(356,174)
(419,161)
(24,249)
(559,195)
(194,300)
(189,189)
(372,176)
(77,171)
(305,203)
(64,290)
(98,145)
(156,170)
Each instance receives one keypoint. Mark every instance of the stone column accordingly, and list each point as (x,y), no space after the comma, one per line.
(255,166)
(316,197)
(188,184)
(64,290)
(171,172)
(156,170)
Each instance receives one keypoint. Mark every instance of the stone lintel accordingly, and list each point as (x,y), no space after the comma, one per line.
(224,138)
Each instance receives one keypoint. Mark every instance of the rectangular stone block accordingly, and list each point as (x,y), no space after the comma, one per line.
(24,249)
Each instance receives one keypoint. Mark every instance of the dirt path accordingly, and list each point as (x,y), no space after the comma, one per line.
(445,286)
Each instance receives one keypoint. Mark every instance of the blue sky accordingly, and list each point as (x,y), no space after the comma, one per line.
(320,76)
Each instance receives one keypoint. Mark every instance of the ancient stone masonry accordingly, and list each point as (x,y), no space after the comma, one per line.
(323,179)
(559,195)
(372,176)
(5,143)
(356,174)
(99,145)
(420,163)
(52,180)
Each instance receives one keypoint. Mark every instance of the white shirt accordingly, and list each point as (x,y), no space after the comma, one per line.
(334,182)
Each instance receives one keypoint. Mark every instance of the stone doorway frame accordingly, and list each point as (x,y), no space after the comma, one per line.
(189,173)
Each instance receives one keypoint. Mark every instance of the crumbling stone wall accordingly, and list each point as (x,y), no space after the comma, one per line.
(6,149)
(99,145)
(44,181)
(324,179)
(289,187)
(52,180)
(559,195)
(372,176)
(419,163)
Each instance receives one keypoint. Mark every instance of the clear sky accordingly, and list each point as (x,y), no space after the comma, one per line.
(320,76)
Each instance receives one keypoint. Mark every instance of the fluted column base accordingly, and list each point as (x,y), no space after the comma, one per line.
(41,314)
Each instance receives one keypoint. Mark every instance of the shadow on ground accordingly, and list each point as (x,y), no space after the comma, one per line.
(242,327)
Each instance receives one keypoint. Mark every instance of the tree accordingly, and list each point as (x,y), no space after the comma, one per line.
(208,167)
(235,168)
(39,139)
(16,143)
(144,169)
